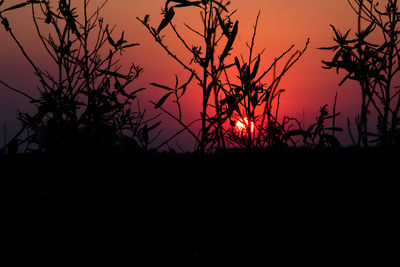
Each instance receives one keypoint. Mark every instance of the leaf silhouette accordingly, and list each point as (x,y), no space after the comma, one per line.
(176,81)
(188,3)
(183,3)
(69,16)
(184,86)
(167,19)
(220,5)
(335,31)
(334,47)
(231,39)
(146,19)
(137,91)
(237,63)
(130,45)
(176,1)
(120,41)
(225,30)
(16,6)
(210,86)
(367,31)
(255,69)
(154,126)
(110,39)
(254,100)
(6,24)
(310,128)
(162,86)
(162,100)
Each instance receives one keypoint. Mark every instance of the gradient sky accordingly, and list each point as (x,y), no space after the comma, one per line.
(282,23)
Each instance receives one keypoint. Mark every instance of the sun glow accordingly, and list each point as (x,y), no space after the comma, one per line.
(242,125)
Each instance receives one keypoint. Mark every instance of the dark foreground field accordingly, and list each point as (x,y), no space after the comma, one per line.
(229,208)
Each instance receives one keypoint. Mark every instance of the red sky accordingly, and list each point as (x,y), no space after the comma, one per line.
(281,24)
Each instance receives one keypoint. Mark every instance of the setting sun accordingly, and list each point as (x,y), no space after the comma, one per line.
(242,124)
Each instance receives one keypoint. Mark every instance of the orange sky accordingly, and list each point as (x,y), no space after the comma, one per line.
(281,24)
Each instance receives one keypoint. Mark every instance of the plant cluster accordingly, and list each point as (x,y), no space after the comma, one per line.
(255,101)
(85,100)
(371,58)
(206,63)
(225,102)
(318,134)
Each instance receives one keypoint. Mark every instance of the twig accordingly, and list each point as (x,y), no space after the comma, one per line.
(158,40)
(175,135)
(186,127)
(16,90)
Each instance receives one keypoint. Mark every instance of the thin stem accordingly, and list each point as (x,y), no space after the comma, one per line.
(175,135)
(186,127)
(159,41)
(17,91)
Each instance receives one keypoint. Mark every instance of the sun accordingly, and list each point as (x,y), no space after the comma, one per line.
(242,124)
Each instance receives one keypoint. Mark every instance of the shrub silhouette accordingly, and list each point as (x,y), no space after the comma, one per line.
(86,100)
(374,64)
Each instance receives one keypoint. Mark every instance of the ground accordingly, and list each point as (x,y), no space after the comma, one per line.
(248,208)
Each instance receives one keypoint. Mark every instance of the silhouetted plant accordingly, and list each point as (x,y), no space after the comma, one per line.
(85,101)
(319,135)
(255,102)
(249,102)
(374,64)
(206,64)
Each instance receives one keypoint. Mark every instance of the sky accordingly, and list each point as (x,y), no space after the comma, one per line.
(281,24)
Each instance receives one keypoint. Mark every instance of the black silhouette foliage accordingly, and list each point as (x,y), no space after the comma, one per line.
(207,65)
(374,64)
(87,100)
(318,135)
(255,102)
